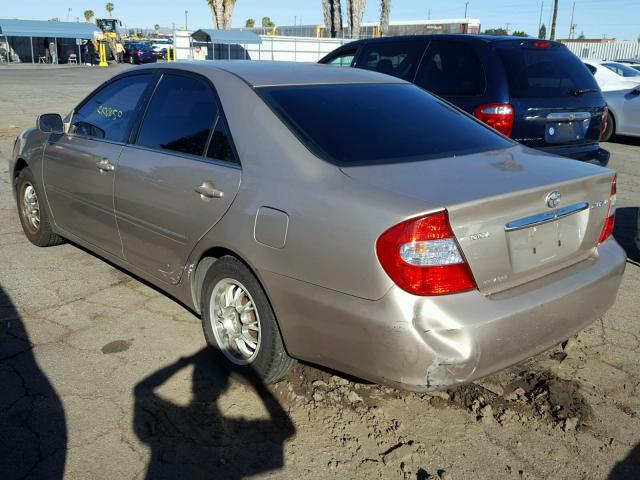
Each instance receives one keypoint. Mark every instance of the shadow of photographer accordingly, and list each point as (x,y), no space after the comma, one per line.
(33,430)
(197,440)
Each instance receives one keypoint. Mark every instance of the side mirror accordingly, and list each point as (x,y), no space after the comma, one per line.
(50,123)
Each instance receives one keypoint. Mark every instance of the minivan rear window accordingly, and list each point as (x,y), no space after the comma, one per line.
(544,72)
(352,124)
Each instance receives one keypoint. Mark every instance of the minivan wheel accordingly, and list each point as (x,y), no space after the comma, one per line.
(33,215)
(239,323)
(610,130)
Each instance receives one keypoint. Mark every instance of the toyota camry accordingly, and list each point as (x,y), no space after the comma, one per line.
(337,216)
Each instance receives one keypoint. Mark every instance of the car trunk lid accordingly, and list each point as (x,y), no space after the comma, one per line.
(501,212)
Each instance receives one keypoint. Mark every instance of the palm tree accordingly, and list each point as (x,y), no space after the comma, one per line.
(229,5)
(250,23)
(332,17)
(109,7)
(156,27)
(385,10)
(553,21)
(267,23)
(88,15)
(354,15)
(222,11)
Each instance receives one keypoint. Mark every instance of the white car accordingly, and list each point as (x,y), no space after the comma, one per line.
(613,75)
(624,113)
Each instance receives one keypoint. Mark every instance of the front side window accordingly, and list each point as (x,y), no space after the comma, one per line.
(108,114)
(356,124)
(452,68)
(399,59)
(344,59)
(180,115)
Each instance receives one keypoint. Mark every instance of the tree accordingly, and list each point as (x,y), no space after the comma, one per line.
(496,31)
(156,27)
(385,10)
(88,15)
(542,33)
(222,11)
(110,8)
(520,33)
(54,19)
(267,23)
(332,17)
(581,36)
(553,20)
(250,23)
(354,16)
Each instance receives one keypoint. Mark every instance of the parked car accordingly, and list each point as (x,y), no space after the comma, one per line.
(624,113)
(632,62)
(160,47)
(453,251)
(139,52)
(534,91)
(613,75)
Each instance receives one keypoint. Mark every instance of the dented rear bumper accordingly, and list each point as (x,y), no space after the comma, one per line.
(431,343)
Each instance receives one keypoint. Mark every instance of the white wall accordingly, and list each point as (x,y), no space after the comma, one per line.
(605,51)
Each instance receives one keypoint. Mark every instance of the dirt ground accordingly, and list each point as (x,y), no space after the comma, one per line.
(103,377)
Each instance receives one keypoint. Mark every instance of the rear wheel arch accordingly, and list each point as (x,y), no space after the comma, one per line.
(20,165)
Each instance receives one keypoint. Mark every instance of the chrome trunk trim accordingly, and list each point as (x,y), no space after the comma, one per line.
(546,217)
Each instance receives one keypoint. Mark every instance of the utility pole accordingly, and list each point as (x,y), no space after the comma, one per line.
(429,14)
(186,19)
(68,12)
(571,25)
(507,25)
(540,21)
(553,20)
(466,5)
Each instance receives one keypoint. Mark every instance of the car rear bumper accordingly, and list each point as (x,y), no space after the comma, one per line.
(592,153)
(431,343)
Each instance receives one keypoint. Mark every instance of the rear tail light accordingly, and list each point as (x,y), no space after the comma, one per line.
(609,221)
(497,115)
(422,256)
(542,44)
(605,119)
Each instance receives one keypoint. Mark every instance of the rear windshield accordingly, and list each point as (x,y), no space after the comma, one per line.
(545,72)
(378,123)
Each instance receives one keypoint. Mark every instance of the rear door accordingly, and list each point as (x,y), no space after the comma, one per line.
(454,71)
(555,98)
(178,179)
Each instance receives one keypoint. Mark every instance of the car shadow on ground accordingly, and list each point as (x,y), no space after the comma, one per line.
(197,440)
(629,468)
(626,140)
(625,231)
(33,431)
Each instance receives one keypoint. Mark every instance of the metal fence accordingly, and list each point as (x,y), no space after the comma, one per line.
(605,51)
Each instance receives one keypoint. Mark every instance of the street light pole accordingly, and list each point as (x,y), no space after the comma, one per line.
(186,19)
(466,4)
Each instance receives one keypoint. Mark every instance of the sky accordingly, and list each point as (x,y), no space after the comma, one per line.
(595,18)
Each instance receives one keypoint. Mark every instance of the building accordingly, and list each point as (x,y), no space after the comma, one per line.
(372,29)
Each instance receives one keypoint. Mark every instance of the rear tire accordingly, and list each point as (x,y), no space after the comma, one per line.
(33,213)
(239,323)
(610,131)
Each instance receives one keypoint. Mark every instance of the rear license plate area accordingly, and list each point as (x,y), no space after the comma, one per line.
(563,132)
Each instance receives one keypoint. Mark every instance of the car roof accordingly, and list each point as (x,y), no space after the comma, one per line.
(258,73)
(466,37)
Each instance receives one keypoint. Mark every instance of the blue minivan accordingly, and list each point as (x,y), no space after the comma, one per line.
(534,91)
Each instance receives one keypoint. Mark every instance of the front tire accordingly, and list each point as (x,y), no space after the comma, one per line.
(32,212)
(238,321)
(610,130)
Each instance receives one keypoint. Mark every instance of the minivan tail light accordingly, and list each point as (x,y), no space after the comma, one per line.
(422,256)
(609,221)
(497,115)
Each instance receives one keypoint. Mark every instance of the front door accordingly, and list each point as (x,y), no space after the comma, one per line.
(79,166)
(178,179)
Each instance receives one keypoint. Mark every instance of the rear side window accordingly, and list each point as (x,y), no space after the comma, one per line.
(622,70)
(399,59)
(544,72)
(343,59)
(451,68)
(180,115)
(108,114)
(378,123)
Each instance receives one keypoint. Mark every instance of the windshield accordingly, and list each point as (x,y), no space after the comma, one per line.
(545,72)
(351,124)
(622,70)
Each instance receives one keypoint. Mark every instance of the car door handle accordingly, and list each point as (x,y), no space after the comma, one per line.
(104,165)
(206,190)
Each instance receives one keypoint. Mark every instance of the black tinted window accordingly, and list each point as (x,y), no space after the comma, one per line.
(343,59)
(220,146)
(399,59)
(180,115)
(451,68)
(544,72)
(379,123)
(109,113)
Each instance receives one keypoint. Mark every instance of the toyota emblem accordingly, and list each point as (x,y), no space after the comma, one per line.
(553,199)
